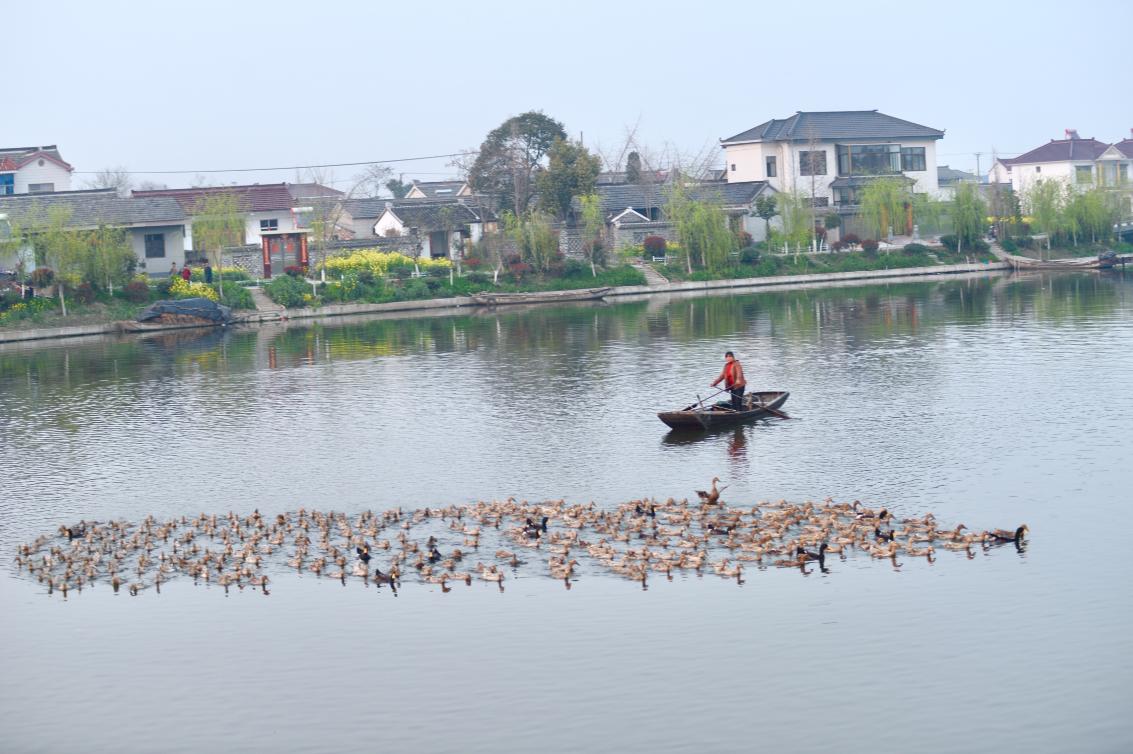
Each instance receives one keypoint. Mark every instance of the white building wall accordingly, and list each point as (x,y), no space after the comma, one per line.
(1025,176)
(386,223)
(48,172)
(284,217)
(174,248)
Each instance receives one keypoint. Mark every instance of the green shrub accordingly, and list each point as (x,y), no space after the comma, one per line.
(136,291)
(914,249)
(479,278)
(575,268)
(1009,245)
(286,291)
(950,242)
(235,296)
(749,255)
(870,247)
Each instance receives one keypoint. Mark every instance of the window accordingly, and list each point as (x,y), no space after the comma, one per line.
(733,167)
(1083,174)
(1038,168)
(912,158)
(272,224)
(812,163)
(155,245)
(771,173)
(820,201)
(40,188)
(869,159)
(7,183)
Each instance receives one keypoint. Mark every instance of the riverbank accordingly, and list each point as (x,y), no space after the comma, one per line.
(464,302)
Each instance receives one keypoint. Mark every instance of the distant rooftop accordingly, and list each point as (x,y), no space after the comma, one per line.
(14,158)
(256,197)
(837,124)
(93,207)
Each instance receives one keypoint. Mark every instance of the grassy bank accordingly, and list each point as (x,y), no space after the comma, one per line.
(363,286)
(772,265)
(87,306)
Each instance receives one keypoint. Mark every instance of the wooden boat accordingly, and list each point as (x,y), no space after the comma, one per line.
(1101,262)
(715,415)
(539,297)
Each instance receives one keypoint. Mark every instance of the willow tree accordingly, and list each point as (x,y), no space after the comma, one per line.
(534,236)
(593,222)
(883,202)
(702,227)
(61,248)
(1092,212)
(109,257)
(794,209)
(969,215)
(218,221)
(1045,203)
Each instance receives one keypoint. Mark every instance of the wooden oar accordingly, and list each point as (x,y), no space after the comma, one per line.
(700,402)
(774,412)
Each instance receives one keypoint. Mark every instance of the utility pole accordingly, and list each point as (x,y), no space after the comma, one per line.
(978,173)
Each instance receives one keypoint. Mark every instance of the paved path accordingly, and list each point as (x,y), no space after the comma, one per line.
(265,304)
(652,277)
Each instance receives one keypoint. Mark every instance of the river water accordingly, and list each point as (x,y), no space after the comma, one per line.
(991,401)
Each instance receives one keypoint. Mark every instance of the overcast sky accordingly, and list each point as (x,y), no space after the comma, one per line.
(217,85)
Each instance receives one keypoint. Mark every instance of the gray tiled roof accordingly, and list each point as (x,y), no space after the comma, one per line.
(90,209)
(945,174)
(435,215)
(439,189)
(616,198)
(1061,150)
(372,208)
(839,124)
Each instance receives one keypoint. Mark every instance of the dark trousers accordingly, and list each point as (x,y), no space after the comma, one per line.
(737,397)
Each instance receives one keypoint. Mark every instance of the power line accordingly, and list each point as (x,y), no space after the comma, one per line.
(285,167)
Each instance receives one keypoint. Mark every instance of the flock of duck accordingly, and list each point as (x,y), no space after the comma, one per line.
(490,542)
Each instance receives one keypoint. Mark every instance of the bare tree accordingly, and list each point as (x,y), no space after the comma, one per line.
(371,180)
(117,178)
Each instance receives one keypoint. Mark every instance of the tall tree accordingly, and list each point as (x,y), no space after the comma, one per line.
(882,205)
(218,221)
(60,247)
(109,257)
(633,167)
(511,155)
(593,222)
(969,215)
(1045,204)
(571,171)
(534,236)
(702,227)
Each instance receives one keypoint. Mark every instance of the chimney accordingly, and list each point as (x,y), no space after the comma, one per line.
(389,205)
(1072,133)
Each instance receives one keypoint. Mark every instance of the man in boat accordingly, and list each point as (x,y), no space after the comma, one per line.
(733,378)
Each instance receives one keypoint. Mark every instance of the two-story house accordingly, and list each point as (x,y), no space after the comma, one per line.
(830,156)
(33,170)
(1073,161)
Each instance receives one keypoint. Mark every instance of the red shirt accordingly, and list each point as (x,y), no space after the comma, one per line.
(730,374)
(186,273)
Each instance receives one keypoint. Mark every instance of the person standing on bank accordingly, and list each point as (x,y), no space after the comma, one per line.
(186,273)
(208,273)
(733,378)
